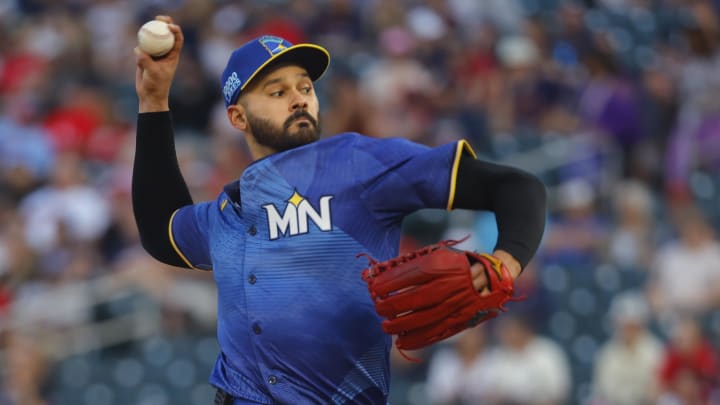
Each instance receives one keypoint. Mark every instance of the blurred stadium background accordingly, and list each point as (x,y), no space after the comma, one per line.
(615,104)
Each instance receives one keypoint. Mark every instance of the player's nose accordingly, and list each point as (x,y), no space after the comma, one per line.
(298,102)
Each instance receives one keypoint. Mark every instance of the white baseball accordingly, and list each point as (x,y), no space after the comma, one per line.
(155,38)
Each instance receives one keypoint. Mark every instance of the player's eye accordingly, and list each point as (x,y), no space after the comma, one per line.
(307,89)
(278,93)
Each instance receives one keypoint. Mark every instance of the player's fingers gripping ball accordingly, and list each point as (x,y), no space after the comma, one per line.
(428,295)
(155,38)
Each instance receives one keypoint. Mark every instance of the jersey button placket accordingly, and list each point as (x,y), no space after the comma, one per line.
(252,231)
(272,380)
(252,279)
(256,328)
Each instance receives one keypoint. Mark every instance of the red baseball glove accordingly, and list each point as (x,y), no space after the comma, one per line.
(427,295)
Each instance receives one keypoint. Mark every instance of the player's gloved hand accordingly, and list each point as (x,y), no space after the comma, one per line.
(428,295)
(153,77)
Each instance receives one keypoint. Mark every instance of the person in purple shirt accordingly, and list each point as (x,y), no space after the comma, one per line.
(296,324)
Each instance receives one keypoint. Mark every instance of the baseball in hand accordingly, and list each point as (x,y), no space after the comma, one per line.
(155,38)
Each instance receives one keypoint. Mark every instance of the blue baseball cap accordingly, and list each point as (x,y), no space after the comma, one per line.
(250,59)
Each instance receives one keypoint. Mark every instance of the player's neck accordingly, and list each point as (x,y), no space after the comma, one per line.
(258,151)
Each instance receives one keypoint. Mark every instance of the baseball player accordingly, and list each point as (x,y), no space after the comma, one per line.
(296,324)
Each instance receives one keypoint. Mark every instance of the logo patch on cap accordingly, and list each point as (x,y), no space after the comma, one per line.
(231,84)
(272,44)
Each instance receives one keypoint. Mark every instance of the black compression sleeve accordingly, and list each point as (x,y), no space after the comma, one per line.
(517,198)
(158,188)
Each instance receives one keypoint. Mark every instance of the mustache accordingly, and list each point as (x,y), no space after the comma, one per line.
(300,114)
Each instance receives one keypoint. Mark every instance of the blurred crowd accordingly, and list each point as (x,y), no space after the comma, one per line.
(615,104)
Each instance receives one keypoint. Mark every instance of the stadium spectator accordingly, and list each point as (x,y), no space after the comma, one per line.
(689,370)
(634,233)
(577,233)
(526,368)
(627,365)
(459,373)
(69,200)
(684,274)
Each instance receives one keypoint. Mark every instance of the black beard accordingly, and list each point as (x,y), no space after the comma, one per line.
(281,139)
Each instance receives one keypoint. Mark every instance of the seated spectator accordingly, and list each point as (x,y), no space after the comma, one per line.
(626,366)
(685,276)
(694,138)
(527,368)
(609,105)
(632,241)
(577,235)
(68,199)
(689,372)
(26,153)
(459,374)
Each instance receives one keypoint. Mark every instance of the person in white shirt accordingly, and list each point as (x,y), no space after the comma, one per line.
(459,373)
(626,365)
(684,275)
(527,368)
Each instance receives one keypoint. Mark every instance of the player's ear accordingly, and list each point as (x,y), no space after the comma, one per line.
(238,118)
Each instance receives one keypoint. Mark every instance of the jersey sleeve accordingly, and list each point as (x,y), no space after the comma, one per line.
(400,176)
(188,233)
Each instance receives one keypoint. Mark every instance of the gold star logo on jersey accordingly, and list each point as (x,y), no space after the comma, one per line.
(296,199)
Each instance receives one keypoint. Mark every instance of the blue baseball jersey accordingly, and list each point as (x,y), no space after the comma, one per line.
(295,320)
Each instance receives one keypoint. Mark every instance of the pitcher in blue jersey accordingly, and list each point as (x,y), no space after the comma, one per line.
(296,324)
